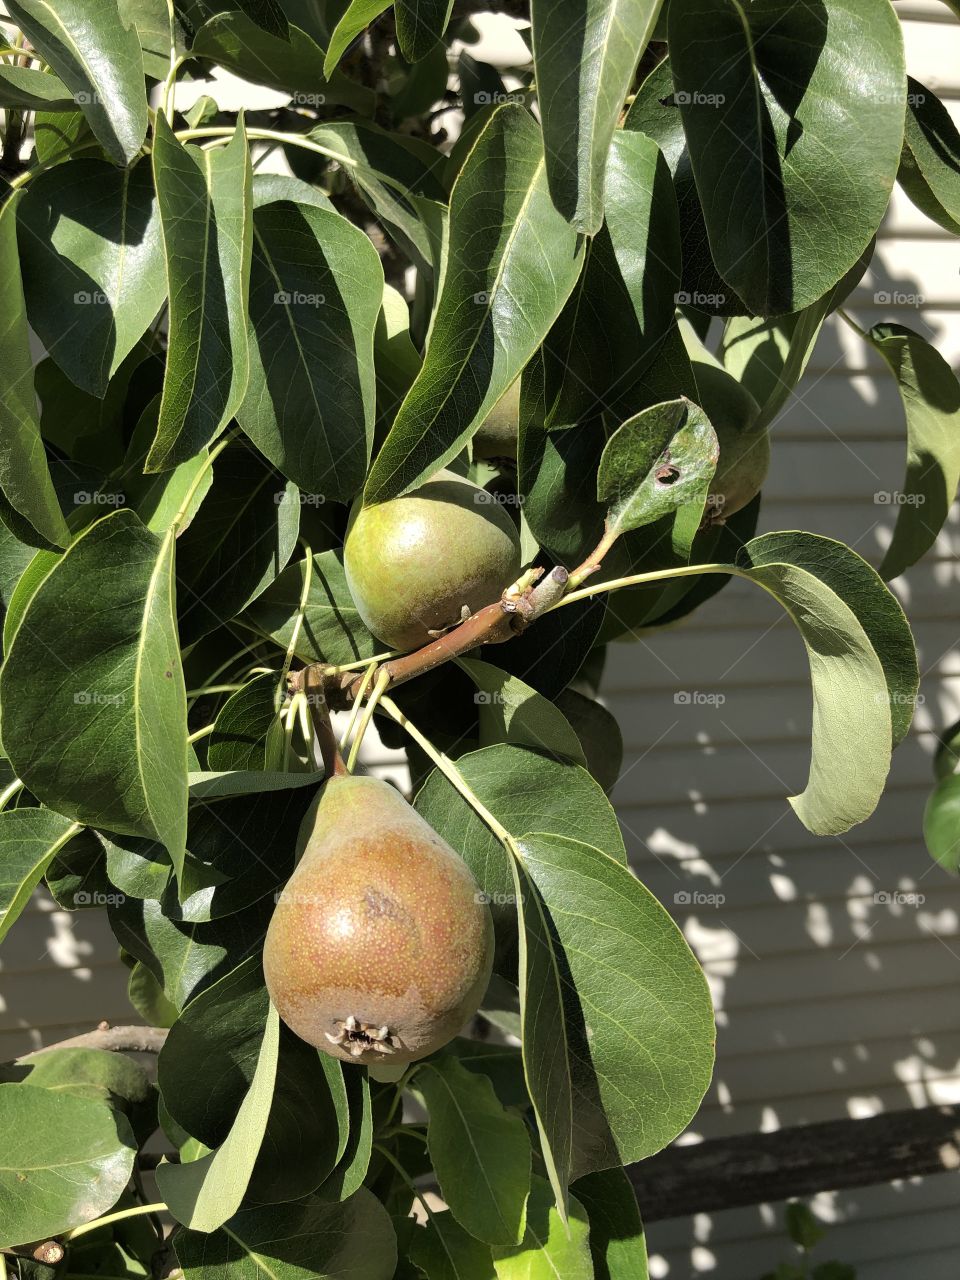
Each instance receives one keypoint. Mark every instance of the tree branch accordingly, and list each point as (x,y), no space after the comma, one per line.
(114,1039)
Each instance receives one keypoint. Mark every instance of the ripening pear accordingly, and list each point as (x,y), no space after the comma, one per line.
(381,944)
(496,437)
(416,563)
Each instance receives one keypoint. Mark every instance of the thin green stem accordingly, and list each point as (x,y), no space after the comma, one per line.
(301,609)
(853,324)
(184,508)
(27,174)
(452,774)
(363,662)
(207,689)
(407,1180)
(224,134)
(136,1211)
(357,703)
(640,579)
(201,733)
(9,792)
(169,96)
(383,679)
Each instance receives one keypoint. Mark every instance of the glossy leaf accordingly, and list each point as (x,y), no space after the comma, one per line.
(29,841)
(637,1017)
(98,59)
(553,1246)
(512,262)
(332,629)
(310,1237)
(656,462)
(206,215)
(32,90)
(29,502)
(357,16)
(774,102)
(315,293)
(585,56)
(930,163)
(931,400)
(97,723)
(510,711)
(203,1194)
(479,1150)
(92,260)
(66,1161)
(239,738)
(420,24)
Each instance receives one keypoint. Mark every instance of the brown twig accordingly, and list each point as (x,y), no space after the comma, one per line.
(128,1039)
(313,685)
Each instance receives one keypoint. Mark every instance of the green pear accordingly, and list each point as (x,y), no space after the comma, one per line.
(413,564)
(496,437)
(381,944)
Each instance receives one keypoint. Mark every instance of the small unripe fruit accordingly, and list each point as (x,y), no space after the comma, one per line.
(496,437)
(415,563)
(381,944)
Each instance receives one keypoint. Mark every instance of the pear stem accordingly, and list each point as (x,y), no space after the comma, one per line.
(383,679)
(357,702)
(453,775)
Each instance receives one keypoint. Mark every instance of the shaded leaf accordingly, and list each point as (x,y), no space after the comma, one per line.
(239,737)
(930,163)
(97,722)
(420,24)
(553,1246)
(510,711)
(355,19)
(28,505)
(774,102)
(617,1240)
(941,823)
(315,292)
(585,56)
(206,214)
(33,90)
(444,1251)
(29,841)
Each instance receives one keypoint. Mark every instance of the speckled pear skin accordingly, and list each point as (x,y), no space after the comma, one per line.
(412,563)
(382,922)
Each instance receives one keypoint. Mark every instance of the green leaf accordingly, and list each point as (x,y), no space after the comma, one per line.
(239,737)
(85,1073)
(941,823)
(802,1227)
(356,1137)
(29,502)
(332,629)
(92,267)
(512,262)
(152,21)
(636,1015)
(203,1194)
(66,1161)
(480,1151)
(287,1242)
(585,56)
(552,1246)
(98,59)
(294,64)
(32,90)
(206,214)
(514,783)
(237,544)
(94,707)
(357,16)
(660,460)
(241,782)
(794,151)
(315,293)
(29,841)
(931,400)
(420,24)
(444,1251)
(510,711)
(157,498)
(599,735)
(617,1240)
(930,163)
